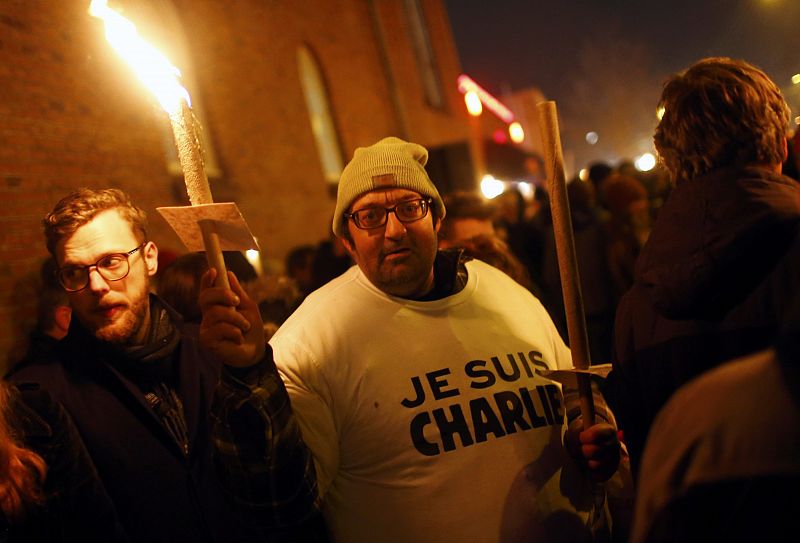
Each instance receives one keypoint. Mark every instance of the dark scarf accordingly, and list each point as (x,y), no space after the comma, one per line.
(152,367)
(153,361)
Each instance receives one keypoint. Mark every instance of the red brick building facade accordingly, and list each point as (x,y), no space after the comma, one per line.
(72,114)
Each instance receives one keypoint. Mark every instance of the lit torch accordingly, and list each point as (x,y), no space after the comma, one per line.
(163,80)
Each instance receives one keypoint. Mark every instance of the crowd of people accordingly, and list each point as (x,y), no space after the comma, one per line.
(399,381)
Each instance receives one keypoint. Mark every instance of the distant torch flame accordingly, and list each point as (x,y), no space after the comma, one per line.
(150,65)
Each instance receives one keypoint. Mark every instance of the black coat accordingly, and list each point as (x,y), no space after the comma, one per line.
(714,281)
(159,493)
(76,506)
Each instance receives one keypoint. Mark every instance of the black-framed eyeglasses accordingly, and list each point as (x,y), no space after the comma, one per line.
(405,211)
(111,267)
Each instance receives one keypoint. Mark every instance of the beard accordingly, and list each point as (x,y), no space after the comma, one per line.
(125,326)
(408,277)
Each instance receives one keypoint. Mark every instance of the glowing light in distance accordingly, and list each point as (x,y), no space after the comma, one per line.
(254,258)
(660,112)
(516,132)
(150,65)
(491,187)
(796,79)
(584,174)
(466,84)
(526,189)
(473,101)
(592,137)
(797,120)
(499,136)
(645,162)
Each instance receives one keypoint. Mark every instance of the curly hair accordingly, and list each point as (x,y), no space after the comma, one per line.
(22,471)
(82,205)
(720,112)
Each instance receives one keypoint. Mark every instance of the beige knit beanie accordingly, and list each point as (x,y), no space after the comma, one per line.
(390,163)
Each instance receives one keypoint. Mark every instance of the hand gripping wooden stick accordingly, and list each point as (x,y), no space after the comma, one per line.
(567,259)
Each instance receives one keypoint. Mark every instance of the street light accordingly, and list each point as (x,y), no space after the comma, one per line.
(491,187)
(516,132)
(645,162)
(473,101)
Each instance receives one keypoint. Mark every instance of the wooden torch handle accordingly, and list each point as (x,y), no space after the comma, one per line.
(214,253)
(567,259)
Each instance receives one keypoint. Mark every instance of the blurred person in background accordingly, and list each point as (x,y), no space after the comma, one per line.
(49,489)
(523,234)
(598,172)
(469,227)
(330,261)
(595,277)
(627,227)
(179,285)
(468,215)
(495,252)
(716,276)
(53,315)
(236,262)
(723,459)
(300,268)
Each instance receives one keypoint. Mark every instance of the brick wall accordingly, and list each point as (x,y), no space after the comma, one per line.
(71,114)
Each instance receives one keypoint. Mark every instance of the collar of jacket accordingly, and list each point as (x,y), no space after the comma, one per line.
(449,274)
(715,238)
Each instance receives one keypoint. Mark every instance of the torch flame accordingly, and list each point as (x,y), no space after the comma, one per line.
(150,65)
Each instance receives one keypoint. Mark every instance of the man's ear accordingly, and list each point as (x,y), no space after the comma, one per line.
(62,316)
(348,246)
(150,252)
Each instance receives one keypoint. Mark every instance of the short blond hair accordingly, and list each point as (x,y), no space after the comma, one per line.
(82,205)
(720,112)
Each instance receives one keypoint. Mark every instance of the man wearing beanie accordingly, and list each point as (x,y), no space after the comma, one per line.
(416,379)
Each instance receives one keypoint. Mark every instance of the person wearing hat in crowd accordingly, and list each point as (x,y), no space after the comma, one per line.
(416,379)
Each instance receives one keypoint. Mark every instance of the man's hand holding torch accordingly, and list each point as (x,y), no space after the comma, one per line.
(231,327)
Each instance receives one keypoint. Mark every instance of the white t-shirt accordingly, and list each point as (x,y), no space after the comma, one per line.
(427,420)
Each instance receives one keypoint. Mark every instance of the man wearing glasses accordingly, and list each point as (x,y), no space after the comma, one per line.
(415,377)
(140,389)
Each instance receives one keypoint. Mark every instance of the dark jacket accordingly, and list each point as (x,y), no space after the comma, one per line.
(76,506)
(715,281)
(729,471)
(159,492)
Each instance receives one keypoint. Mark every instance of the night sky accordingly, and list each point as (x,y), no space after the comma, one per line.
(577,51)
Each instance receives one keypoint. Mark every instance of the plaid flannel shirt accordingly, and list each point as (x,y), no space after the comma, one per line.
(264,464)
